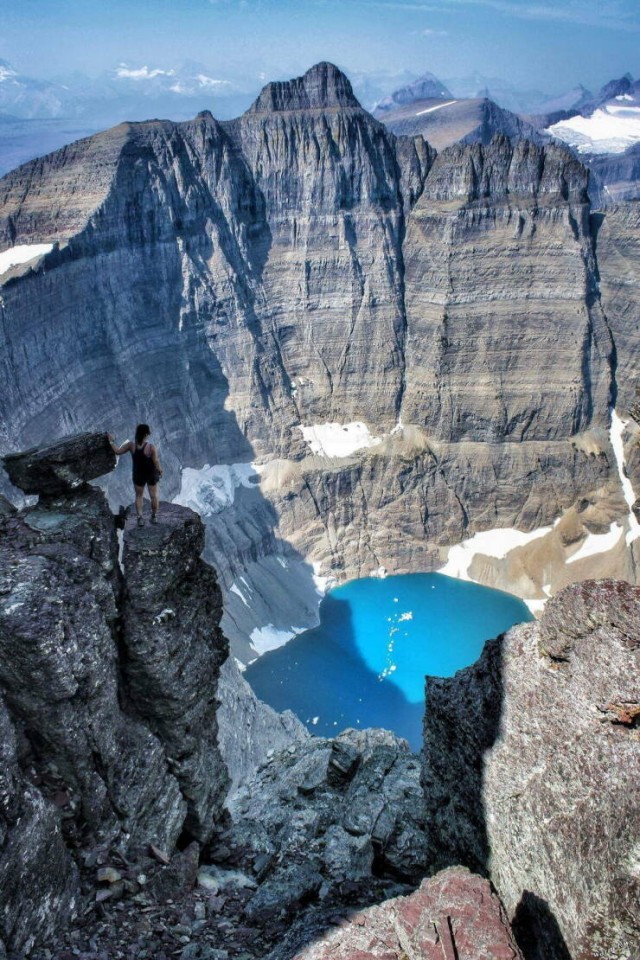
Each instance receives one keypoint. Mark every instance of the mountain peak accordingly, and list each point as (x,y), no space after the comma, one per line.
(426,87)
(322,87)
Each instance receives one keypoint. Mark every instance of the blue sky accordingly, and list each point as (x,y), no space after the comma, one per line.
(549,44)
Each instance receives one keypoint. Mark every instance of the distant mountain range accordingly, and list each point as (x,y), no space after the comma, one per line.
(38,116)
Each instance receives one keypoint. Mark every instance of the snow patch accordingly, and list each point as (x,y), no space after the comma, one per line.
(322,583)
(338,439)
(615,435)
(611,129)
(491,543)
(211,489)
(598,543)
(438,106)
(234,588)
(22,254)
(269,637)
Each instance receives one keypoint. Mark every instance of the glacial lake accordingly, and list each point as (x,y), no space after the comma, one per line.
(365,664)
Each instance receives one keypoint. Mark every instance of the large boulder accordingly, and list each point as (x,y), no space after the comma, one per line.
(63,466)
(452,916)
(532,772)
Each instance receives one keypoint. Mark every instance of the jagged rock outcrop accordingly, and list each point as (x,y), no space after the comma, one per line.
(62,467)
(453,915)
(110,704)
(235,282)
(530,772)
(326,816)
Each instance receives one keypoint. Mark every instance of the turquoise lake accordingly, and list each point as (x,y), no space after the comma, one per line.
(365,664)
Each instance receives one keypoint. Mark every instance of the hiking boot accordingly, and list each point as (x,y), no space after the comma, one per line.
(140,522)
(154,518)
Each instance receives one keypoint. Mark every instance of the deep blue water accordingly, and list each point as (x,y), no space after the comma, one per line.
(365,664)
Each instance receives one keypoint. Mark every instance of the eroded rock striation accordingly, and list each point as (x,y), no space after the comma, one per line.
(531,772)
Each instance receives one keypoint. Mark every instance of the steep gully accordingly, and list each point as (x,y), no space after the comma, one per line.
(112,758)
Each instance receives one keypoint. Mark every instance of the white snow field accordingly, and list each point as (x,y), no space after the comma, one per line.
(335,440)
(610,129)
(211,489)
(22,254)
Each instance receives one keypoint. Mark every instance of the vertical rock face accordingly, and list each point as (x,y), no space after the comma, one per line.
(531,772)
(33,855)
(107,692)
(499,266)
(618,245)
(173,649)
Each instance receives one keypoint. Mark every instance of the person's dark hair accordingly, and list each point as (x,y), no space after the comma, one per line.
(143,430)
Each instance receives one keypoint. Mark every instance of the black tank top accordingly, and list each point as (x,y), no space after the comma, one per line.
(144,470)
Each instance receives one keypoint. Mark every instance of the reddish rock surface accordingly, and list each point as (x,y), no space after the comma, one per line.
(452,916)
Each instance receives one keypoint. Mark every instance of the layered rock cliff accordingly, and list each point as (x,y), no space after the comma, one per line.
(238,284)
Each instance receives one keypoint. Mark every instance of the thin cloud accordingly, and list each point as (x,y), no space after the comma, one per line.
(614,15)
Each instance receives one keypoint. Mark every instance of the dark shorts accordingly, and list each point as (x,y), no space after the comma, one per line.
(150,479)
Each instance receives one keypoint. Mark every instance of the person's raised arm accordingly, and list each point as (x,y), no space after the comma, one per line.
(125,448)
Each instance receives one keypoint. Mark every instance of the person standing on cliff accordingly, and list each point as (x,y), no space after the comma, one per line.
(146,468)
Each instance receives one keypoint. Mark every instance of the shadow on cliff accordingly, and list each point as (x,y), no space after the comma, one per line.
(461,725)
(322,676)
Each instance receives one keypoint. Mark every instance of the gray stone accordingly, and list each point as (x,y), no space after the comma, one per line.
(283,892)
(352,827)
(63,466)
(39,883)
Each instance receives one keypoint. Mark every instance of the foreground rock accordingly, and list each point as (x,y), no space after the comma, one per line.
(62,467)
(453,915)
(531,772)
(326,818)
(100,689)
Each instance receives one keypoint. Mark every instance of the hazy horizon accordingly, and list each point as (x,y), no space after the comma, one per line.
(531,45)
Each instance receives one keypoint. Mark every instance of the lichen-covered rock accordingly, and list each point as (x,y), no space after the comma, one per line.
(172,651)
(452,915)
(531,769)
(62,467)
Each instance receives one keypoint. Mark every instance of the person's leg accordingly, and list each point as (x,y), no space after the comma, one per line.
(139,496)
(153,493)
